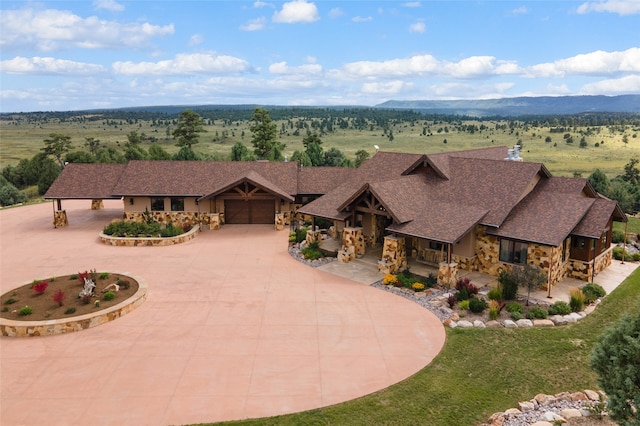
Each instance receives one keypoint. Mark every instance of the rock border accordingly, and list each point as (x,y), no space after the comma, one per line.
(149,241)
(12,328)
(436,301)
(547,410)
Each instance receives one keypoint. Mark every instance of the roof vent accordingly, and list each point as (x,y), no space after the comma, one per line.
(514,154)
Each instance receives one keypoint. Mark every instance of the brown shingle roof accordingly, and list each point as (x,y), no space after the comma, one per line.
(597,218)
(86,181)
(198,178)
(545,216)
(255,179)
(320,180)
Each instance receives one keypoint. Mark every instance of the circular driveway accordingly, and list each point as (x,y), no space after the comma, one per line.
(232,328)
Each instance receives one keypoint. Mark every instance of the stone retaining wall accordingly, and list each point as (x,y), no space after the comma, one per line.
(149,241)
(182,219)
(12,328)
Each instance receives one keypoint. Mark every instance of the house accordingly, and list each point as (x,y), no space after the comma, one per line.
(478,210)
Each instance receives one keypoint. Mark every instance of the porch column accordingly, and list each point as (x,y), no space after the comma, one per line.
(352,244)
(313,237)
(394,255)
(97,204)
(448,274)
(59,215)
(214,221)
(279,223)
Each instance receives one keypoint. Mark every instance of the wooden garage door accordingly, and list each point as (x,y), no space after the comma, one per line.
(252,211)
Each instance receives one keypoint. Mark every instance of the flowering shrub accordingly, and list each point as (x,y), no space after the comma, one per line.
(389,279)
(417,286)
(83,275)
(40,286)
(58,297)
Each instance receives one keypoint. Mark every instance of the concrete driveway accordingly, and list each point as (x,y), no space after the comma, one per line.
(232,328)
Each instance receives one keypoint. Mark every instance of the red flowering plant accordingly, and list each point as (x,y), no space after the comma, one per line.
(40,286)
(58,297)
(82,276)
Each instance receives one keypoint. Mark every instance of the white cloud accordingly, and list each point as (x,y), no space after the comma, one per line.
(594,63)
(49,30)
(195,40)
(296,11)
(411,4)
(621,7)
(336,12)
(111,5)
(628,84)
(42,66)
(185,64)
(260,4)
(388,88)
(307,70)
(418,27)
(522,10)
(254,24)
(362,19)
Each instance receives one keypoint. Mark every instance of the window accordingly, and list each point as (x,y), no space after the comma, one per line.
(177,204)
(157,204)
(513,252)
(579,243)
(435,246)
(604,241)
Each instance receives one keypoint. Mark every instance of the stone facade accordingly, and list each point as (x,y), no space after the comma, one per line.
(487,248)
(60,219)
(466,263)
(580,270)
(352,244)
(97,205)
(604,260)
(394,255)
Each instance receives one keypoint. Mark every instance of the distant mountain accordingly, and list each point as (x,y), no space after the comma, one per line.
(543,105)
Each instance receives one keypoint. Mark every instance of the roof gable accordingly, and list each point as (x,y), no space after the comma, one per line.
(253,178)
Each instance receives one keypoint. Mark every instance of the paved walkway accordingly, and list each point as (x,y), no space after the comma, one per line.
(233,328)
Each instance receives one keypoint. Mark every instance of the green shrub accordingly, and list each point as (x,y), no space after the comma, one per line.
(477,305)
(617,253)
(618,236)
(635,257)
(103,275)
(109,295)
(494,309)
(301,234)
(25,310)
(537,313)
(515,307)
(516,315)
(509,285)
(559,308)
(10,301)
(576,299)
(70,311)
(312,251)
(73,277)
(495,293)
(292,237)
(592,291)
(431,280)
(464,304)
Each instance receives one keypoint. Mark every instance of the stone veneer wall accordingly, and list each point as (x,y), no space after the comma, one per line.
(487,249)
(580,270)
(447,274)
(313,237)
(466,263)
(352,244)
(97,205)
(549,259)
(190,219)
(149,241)
(604,260)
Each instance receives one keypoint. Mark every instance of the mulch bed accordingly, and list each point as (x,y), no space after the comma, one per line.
(45,308)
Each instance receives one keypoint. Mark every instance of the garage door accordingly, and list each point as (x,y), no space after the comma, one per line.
(252,211)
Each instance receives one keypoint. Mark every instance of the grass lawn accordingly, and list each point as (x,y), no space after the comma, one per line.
(632,228)
(480,372)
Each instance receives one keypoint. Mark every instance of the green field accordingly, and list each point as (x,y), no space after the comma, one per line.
(23,138)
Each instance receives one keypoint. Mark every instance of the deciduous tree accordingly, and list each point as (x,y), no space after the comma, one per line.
(57,145)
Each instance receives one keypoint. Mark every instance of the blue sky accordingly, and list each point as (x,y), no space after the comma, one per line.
(60,55)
